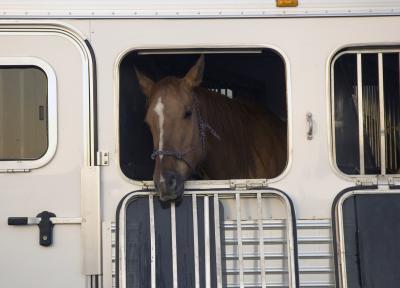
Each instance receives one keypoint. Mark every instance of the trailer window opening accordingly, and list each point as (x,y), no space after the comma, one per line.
(23,113)
(257,78)
(365,115)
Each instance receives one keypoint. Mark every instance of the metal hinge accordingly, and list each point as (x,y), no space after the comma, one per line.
(148,186)
(382,181)
(365,181)
(248,184)
(15,170)
(103,158)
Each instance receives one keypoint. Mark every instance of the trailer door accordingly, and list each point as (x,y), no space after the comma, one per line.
(212,238)
(365,121)
(368,235)
(47,167)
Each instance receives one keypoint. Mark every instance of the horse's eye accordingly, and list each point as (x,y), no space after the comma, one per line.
(188,114)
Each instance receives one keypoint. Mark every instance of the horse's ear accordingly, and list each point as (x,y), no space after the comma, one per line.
(146,84)
(195,74)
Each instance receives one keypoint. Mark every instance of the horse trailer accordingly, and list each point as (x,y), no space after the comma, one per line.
(78,206)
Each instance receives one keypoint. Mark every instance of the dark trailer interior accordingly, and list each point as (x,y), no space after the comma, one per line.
(256,76)
(346,113)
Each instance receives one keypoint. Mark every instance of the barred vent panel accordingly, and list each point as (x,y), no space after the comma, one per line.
(365,111)
(211,239)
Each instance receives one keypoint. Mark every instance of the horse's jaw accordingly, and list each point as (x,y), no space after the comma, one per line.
(168,192)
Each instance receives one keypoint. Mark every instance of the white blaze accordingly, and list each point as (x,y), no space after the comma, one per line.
(159,109)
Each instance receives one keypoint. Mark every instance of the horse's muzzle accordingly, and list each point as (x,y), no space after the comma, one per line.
(170,186)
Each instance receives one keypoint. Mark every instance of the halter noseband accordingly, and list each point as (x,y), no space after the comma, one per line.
(203,127)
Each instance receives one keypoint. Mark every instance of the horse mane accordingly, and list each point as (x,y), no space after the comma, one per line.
(239,125)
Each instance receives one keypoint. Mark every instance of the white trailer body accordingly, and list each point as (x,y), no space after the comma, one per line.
(79,46)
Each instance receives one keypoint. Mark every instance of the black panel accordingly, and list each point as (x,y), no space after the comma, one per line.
(346,119)
(138,244)
(372,240)
(138,254)
(184,242)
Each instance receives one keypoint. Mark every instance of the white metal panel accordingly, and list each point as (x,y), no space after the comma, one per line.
(194,9)
(308,48)
(55,187)
(308,45)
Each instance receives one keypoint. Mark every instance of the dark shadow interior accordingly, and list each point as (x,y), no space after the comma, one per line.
(346,113)
(138,241)
(372,236)
(256,76)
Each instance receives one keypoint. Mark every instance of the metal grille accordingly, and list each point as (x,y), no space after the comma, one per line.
(376,99)
(250,246)
(315,253)
(370,104)
(224,91)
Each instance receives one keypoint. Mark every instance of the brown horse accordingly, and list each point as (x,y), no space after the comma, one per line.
(195,129)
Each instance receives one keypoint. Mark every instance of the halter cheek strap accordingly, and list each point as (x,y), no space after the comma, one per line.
(177,155)
(203,127)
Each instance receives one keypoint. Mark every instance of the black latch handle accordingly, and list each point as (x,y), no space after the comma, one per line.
(45,220)
(46,228)
(17,221)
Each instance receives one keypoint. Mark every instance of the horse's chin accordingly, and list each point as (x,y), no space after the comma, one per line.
(176,197)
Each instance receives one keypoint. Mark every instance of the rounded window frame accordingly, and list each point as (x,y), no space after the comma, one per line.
(337,53)
(26,165)
(200,184)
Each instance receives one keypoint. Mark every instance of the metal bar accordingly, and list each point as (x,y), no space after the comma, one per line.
(382,128)
(217,242)
(34,220)
(174,250)
(196,242)
(261,239)
(371,130)
(66,220)
(397,117)
(368,118)
(278,255)
(152,242)
(277,240)
(239,240)
(54,220)
(207,241)
(305,270)
(395,123)
(377,128)
(393,108)
(389,116)
(194,51)
(360,114)
(372,127)
(253,225)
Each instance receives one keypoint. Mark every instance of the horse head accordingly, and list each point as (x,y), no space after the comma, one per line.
(174,118)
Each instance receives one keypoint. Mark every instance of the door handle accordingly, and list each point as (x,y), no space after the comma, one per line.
(46,221)
(310,122)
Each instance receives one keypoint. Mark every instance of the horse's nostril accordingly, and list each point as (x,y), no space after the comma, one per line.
(171,181)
